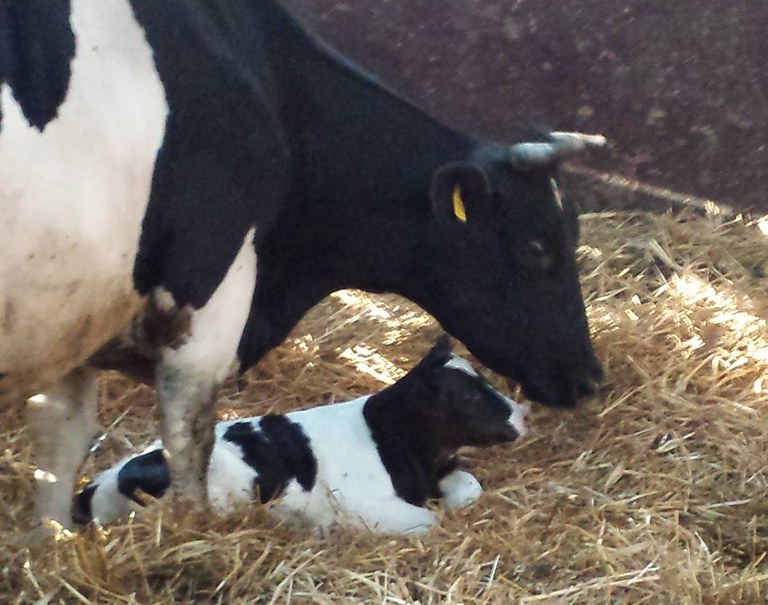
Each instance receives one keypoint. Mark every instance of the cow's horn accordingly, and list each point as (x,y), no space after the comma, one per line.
(531,155)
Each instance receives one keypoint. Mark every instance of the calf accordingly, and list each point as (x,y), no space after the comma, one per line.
(371,462)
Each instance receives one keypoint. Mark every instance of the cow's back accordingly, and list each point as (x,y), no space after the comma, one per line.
(73,196)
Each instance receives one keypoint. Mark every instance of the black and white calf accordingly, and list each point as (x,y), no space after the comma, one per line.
(182,180)
(372,462)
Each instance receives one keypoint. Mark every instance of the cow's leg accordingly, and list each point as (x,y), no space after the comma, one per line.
(62,422)
(189,375)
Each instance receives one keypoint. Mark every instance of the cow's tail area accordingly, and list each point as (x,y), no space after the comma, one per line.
(37,45)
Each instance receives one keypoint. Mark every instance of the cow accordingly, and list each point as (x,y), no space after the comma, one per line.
(180,181)
(399,450)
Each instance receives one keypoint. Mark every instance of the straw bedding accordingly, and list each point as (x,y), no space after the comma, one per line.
(653,492)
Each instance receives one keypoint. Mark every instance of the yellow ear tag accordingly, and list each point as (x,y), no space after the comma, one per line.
(458,205)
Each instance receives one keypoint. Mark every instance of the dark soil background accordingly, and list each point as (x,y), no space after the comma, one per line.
(679,88)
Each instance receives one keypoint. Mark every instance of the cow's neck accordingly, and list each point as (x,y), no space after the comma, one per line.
(360,208)
(377,250)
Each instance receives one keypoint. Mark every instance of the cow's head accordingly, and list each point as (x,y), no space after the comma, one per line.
(497,267)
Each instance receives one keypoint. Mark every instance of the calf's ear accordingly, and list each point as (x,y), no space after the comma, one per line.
(460,193)
(443,344)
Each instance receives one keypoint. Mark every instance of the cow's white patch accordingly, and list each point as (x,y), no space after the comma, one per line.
(72,200)
(189,376)
(216,328)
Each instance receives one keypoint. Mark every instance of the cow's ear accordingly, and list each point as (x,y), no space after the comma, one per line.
(460,193)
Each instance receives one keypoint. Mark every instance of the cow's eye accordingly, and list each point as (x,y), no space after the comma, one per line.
(538,257)
(536,248)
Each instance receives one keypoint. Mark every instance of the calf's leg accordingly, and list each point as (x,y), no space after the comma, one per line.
(393,515)
(459,488)
(62,423)
(188,376)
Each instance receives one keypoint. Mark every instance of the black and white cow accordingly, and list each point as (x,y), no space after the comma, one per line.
(372,462)
(194,175)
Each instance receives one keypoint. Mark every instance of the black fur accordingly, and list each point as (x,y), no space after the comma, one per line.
(345,182)
(82,513)
(269,127)
(36,48)
(419,422)
(361,212)
(224,160)
(148,472)
(278,451)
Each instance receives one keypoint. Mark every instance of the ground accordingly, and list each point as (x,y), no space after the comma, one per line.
(655,491)
(680,89)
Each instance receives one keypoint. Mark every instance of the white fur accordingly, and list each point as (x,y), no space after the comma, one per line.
(458,363)
(352,488)
(189,376)
(107,496)
(460,489)
(520,412)
(62,423)
(72,200)
(230,479)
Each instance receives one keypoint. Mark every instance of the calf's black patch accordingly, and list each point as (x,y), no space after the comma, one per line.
(278,451)
(148,473)
(419,423)
(82,512)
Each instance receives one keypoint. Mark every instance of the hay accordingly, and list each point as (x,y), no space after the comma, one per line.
(655,492)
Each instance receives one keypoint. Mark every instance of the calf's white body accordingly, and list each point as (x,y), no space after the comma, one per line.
(352,485)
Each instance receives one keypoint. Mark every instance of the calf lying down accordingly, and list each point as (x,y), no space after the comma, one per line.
(371,462)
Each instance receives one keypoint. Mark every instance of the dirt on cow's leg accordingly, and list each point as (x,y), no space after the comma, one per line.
(62,422)
(188,419)
(191,369)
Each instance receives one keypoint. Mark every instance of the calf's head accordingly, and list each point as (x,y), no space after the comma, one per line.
(498,267)
(465,408)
